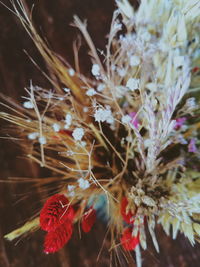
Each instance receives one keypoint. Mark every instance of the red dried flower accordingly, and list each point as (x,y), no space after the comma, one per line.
(195,69)
(88,220)
(55,212)
(128,241)
(127,215)
(55,240)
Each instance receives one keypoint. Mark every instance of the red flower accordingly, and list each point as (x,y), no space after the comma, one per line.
(55,212)
(55,240)
(195,69)
(128,241)
(88,220)
(127,215)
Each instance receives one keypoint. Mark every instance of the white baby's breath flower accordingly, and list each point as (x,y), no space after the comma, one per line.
(100,87)
(78,134)
(134,61)
(42,140)
(83,183)
(71,72)
(102,115)
(71,190)
(99,115)
(33,136)
(67,90)
(56,127)
(28,105)
(126,119)
(91,92)
(95,70)
(68,120)
(132,84)
(121,72)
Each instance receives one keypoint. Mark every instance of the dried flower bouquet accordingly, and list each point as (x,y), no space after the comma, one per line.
(120,141)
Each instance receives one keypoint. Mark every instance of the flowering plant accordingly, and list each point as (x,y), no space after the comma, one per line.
(114,135)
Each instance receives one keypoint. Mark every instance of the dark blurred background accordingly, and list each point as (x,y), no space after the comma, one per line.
(18,201)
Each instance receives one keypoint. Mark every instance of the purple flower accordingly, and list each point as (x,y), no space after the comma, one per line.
(179,122)
(134,121)
(192,146)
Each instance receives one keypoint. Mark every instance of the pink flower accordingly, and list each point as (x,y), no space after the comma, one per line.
(179,123)
(134,121)
(192,146)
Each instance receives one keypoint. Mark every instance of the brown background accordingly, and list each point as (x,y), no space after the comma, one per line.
(19,201)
